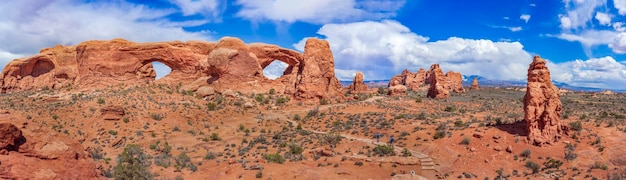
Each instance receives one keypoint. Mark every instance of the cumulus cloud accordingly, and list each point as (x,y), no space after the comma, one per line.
(382,49)
(603,18)
(29,25)
(318,11)
(524,17)
(619,44)
(579,13)
(603,72)
(620,5)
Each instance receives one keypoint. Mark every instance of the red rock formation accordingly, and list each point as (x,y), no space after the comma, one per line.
(39,153)
(542,106)
(223,65)
(9,135)
(437,79)
(318,79)
(474,84)
(357,84)
(412,81)
(455,82)
(397,90)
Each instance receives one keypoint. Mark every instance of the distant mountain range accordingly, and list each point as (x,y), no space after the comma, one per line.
(482,81)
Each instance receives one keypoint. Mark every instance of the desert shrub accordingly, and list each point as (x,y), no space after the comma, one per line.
(465,141)
(259,174)
(439,134)
(358,163)
(525,153)
(96,153)
(272,91)
(450,109)
(553,163)
(162,160)
(275,158)
(211,106)
(384,150)
(132,163)
(215,137)
(599,165)
(331,139)
(282,100)
(157,117)
(576,126)
(570,155)
(532,166)
(406,152)
(183,161)
(101,101)
(210,155)
(294,153)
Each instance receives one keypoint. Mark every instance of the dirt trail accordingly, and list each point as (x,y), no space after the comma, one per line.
(426,162)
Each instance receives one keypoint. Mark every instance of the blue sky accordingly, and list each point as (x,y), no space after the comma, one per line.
(583,40)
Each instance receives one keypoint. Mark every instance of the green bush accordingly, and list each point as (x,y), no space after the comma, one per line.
(439,134)
(101,101)
(275,158)
(525,153)
(294,153)
(132,163)
(532,166)
(576,126)
(384,150)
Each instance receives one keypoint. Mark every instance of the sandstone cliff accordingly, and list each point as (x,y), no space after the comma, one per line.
(542,105)
(228,64)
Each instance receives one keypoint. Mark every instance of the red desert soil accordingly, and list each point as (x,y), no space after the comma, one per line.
(467,135)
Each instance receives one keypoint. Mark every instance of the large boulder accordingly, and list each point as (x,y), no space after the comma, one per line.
(9,136)
(438,87)
(542,105)
(226,64)
(39,153)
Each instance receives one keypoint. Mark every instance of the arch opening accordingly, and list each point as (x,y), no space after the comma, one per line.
(275,70)
(161,69)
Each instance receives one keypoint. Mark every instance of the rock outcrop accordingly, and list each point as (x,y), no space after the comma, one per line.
(228,64)
(542,106)
(447,83)
(438,87)
(455,82)
(38,153)
(397,90)
(474,84)
(412,81)
(357,84)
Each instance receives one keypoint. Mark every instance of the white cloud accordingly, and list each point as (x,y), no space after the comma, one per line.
(590,38)
(382,49)
(579,13)
(30,25)
(524,17)
(505,18)
(603,18)
(603,72)
(620,5)
(515,29)
(275,69)
(205,7)
(318,11)
(566,23)
(619,44)
(6,57)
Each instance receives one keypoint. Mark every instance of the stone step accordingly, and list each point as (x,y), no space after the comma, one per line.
(428,164)
(426,160)
(428,168)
